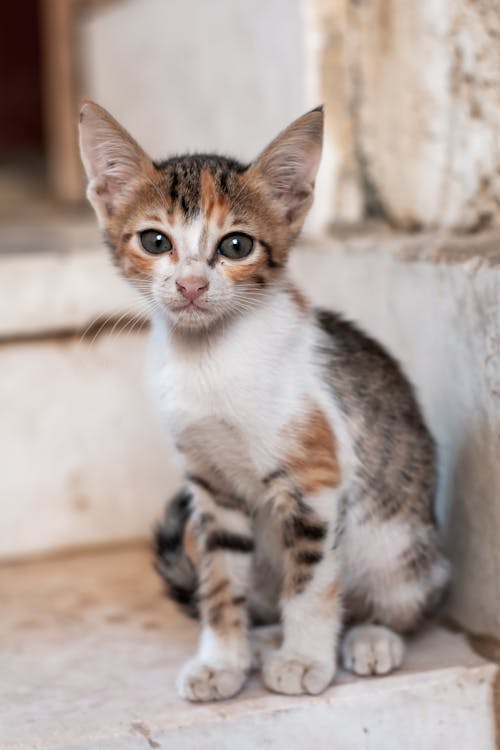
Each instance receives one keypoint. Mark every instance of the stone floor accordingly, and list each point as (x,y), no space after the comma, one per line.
(90,648)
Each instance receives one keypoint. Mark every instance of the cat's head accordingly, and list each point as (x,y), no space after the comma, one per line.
(203,237)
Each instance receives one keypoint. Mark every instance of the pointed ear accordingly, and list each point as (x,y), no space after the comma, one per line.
(289,164)
(112,159)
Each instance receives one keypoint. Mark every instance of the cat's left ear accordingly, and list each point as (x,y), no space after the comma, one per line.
(114,162)
(289,164)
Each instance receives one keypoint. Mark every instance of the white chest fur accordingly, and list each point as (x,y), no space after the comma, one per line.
(232,394)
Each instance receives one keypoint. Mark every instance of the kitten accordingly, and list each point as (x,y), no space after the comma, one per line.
(310,473)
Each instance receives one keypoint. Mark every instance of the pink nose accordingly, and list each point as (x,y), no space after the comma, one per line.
(192,287)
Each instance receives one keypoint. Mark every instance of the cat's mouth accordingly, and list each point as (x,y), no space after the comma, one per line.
(192,316)
(190,307)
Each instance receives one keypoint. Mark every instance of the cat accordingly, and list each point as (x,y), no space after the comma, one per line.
(310,472)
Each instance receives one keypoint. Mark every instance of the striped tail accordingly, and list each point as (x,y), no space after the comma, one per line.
(172,561)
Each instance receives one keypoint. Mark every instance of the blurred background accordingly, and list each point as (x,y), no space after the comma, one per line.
(180,75)
(403,237)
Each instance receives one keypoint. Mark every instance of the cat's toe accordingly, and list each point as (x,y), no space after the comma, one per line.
(372,649)
(201,681)
(295,675)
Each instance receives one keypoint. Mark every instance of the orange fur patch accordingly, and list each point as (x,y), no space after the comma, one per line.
(313,460)
(213,205)
(222,209)
(330,600)
(332,591)
(137,263)
(244,271)
(190,543)
(208,193)
(299,298)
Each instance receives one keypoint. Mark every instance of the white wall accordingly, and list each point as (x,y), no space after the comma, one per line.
(413,110)
(222,75)
(84,460)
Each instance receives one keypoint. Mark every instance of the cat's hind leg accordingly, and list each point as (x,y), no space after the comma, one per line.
(404,581)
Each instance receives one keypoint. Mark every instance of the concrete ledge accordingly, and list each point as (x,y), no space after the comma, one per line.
(91,650)
(57,277)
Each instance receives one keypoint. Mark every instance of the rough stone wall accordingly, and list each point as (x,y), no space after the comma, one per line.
(339,193)
(422,104)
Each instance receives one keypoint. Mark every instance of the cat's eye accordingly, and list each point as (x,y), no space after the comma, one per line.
(236,246)
(155,242)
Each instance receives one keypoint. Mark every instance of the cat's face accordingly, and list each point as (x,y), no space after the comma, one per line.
(203,237)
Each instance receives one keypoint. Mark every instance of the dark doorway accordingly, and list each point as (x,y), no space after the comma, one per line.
(21,128)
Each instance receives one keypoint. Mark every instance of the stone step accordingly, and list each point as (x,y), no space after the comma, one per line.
(56,277)
(91,648)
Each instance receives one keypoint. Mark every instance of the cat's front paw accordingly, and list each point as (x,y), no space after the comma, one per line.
(202,681)
(372,649)
(291,674)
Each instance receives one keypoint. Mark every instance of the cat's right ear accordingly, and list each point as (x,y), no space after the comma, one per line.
(112,159)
